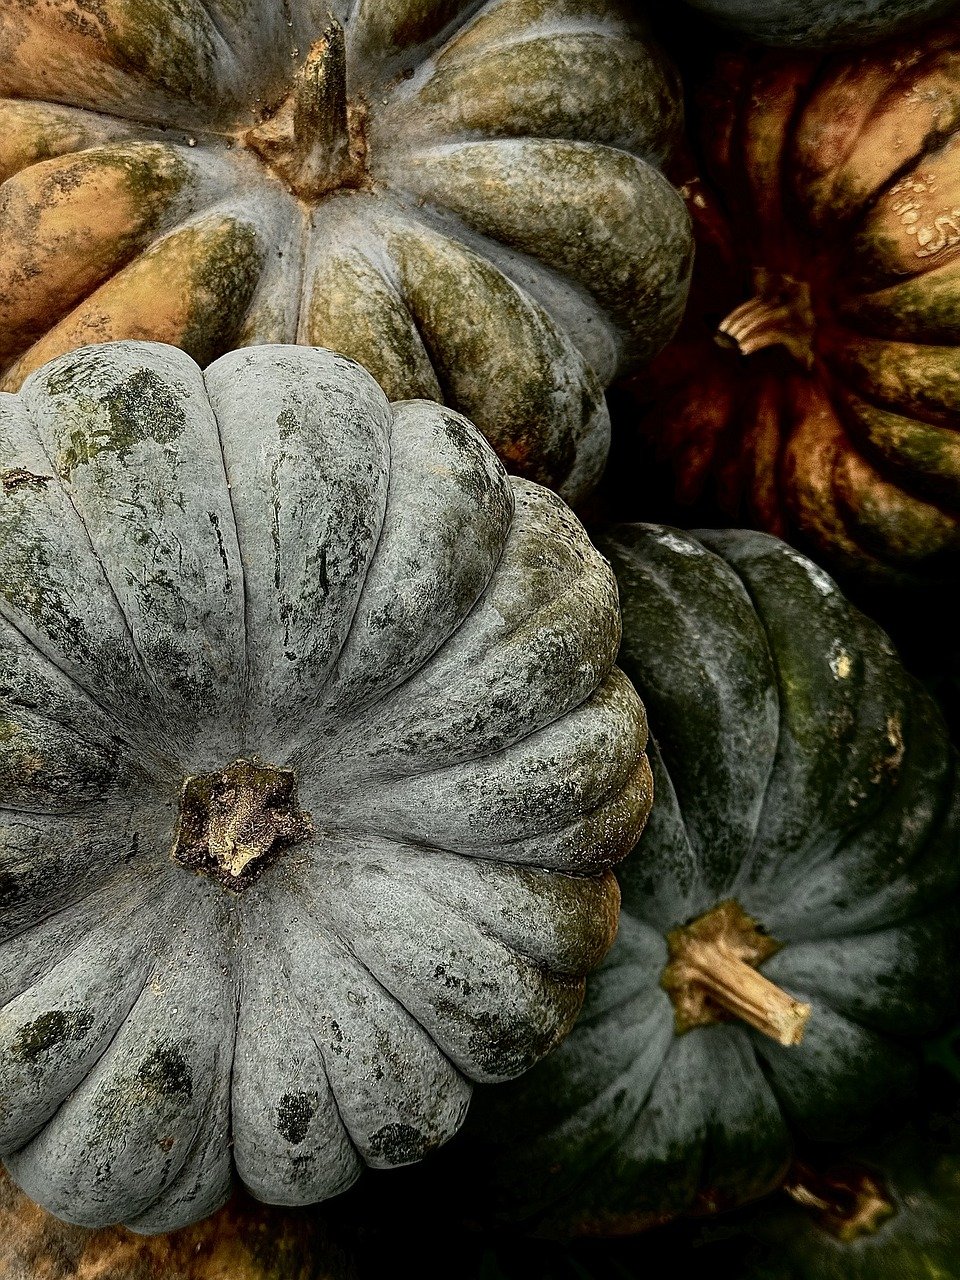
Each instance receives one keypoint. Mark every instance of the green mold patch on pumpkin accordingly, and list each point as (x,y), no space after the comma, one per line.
(166,1072)
(8,730)
(221,285)
(141,407)
(50,1030)
(183,63)
(294,1113)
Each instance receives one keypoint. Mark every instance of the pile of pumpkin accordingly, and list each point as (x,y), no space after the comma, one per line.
(348,778)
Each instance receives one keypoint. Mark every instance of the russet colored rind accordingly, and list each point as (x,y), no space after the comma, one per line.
(831,422)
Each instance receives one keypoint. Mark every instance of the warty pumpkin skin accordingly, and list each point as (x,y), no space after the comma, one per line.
(463,197)
(808,814)
(828,228)
(820,24)
(313,757)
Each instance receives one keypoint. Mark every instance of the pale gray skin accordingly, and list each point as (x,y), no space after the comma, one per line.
(823,24)
(268,560)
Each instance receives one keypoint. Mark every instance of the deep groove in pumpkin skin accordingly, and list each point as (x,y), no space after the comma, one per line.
(149,973)
(132,742)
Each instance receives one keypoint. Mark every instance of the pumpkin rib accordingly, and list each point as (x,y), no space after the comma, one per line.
(211,1120)
(349,1162)
(209,7)
(317,909)
(16,925)
(538,965)
(131,742)
(560,983)
(908,482)
(539,280)
(857,819)
(686,605)
(107,1048)
(32,1160)
(141,959)
(148,974)
(625,768)
(502,639)
(245,678)
(592,1163)
(145,669)
(105,890)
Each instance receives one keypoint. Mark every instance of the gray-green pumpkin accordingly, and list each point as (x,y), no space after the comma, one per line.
(463,196)
(312,758)
(790,918)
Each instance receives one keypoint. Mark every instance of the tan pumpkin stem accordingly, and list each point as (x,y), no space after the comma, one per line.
(712,976)
(781,314)
(314,140)
(848,1203)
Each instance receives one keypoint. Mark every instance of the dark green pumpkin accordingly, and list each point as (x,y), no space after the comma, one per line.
(820,24)
(888,1212)
(803,775)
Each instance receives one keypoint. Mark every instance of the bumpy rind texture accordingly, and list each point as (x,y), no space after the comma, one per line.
(506,242)
(840,175)
(821,24)
(268,561)
(799,770)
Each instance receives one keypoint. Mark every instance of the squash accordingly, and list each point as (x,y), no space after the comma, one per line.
(244,1241)
(822,23)
(790,915)
(890,1210)
(829,253)
(463,197)
(313,759)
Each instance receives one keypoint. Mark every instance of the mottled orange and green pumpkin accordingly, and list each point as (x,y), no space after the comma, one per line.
(815,389)
(464,197)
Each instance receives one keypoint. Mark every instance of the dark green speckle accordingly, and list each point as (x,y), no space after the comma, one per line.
(50,1030)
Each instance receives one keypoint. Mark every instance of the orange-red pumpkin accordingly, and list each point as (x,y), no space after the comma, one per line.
(815,389)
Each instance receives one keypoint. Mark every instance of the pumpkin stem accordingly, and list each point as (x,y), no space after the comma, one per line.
(847,1203)
(712,976)
(781,314)
(231,822)
(315,139)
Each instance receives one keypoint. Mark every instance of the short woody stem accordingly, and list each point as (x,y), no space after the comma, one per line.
(848,1203)
(713,976)
(781,314)
(755,325)
(321,128)
(314,139)
(745,993)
